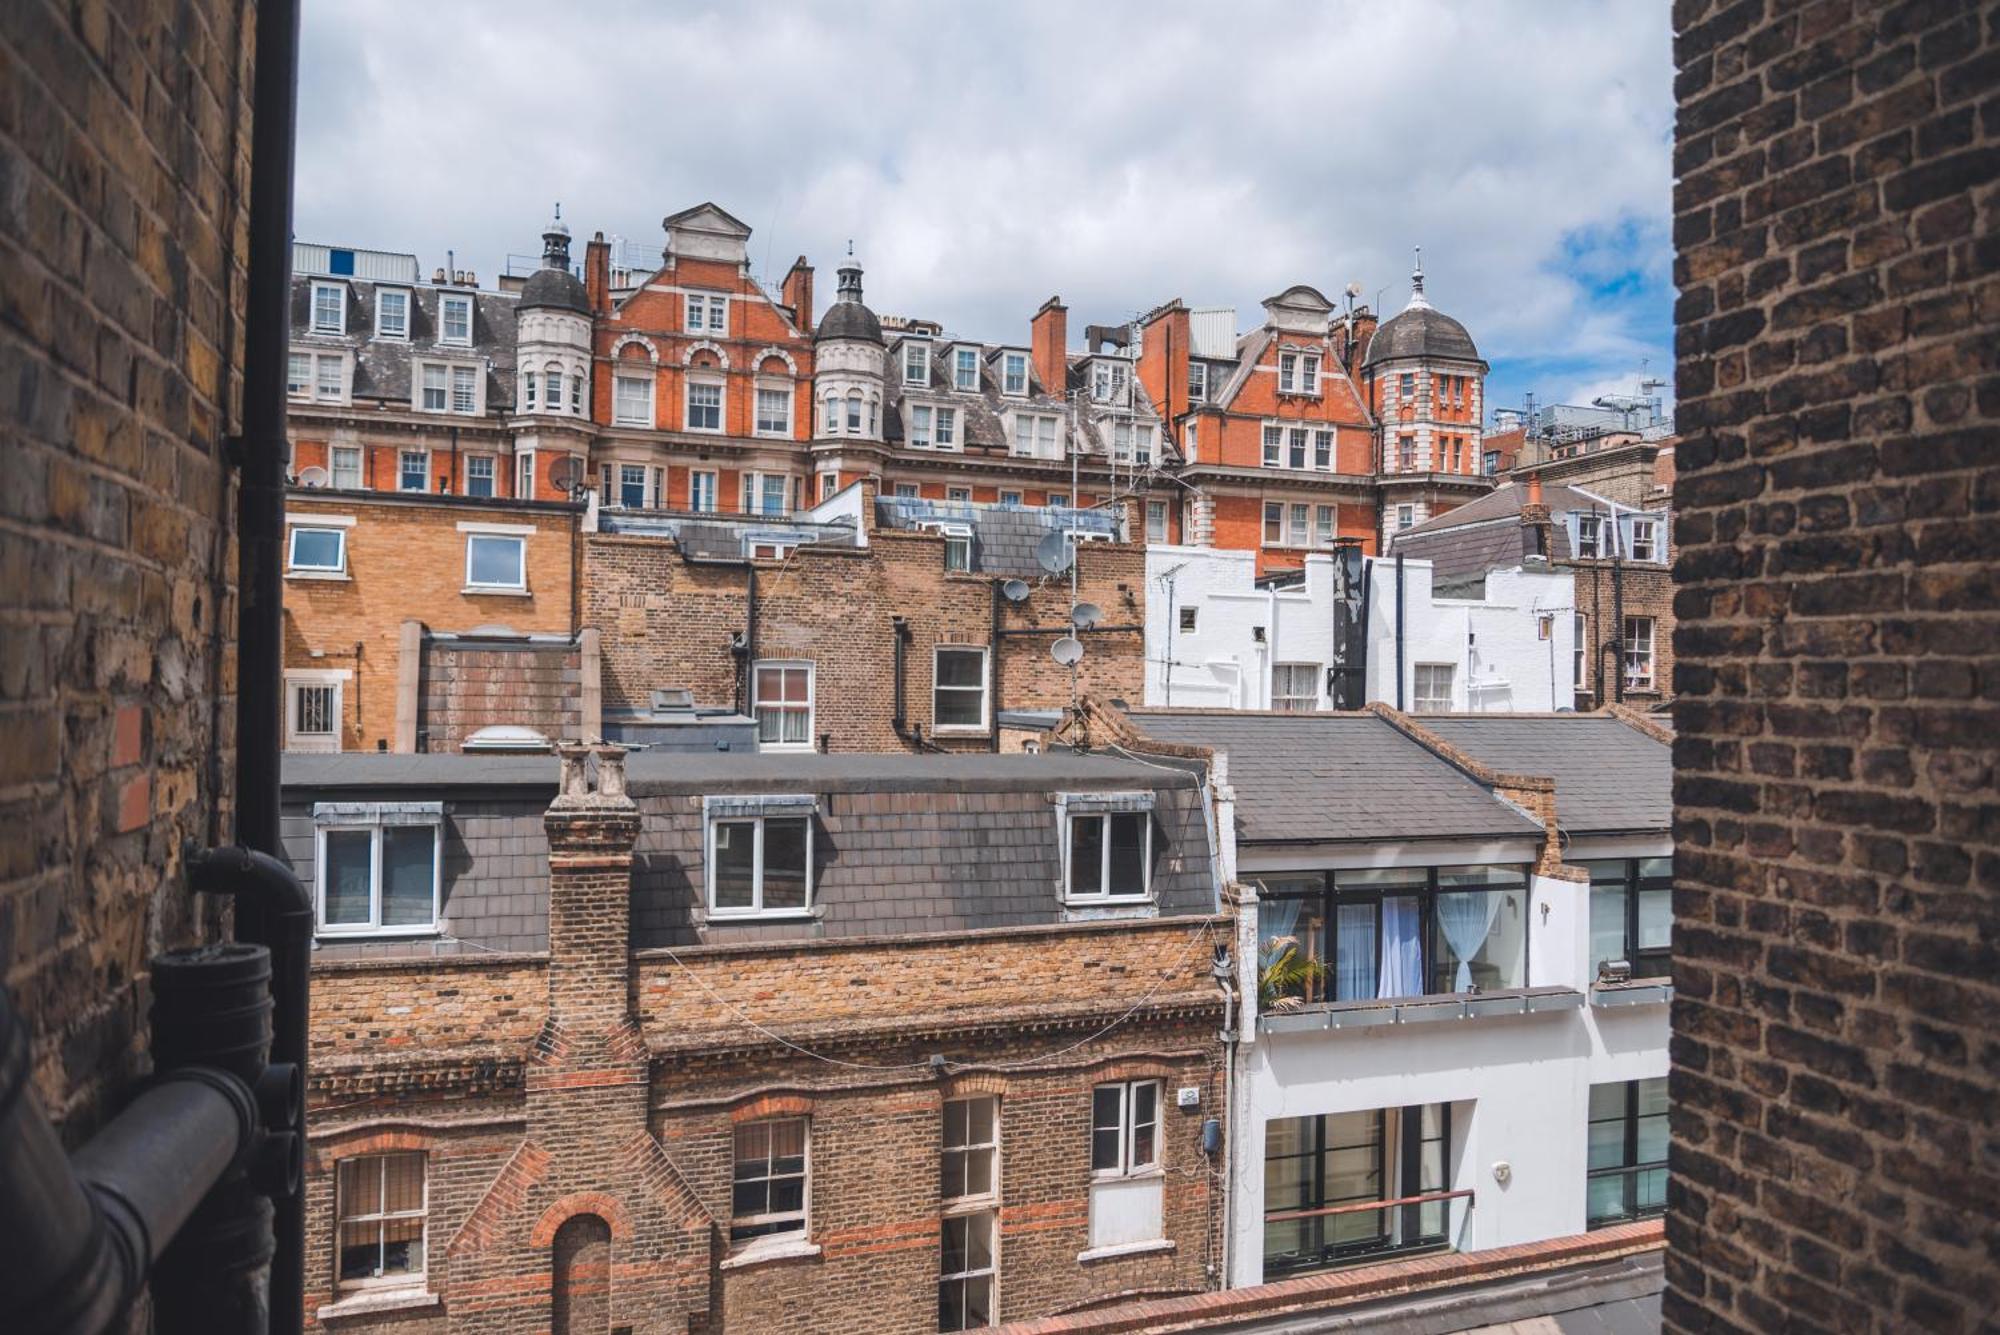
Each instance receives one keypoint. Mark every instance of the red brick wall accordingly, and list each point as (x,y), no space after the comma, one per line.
(1834,959)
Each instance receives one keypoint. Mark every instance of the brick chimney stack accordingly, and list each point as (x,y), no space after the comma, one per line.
(798,293)
(592,831)
(597,273)
(1537,532)
(1049,345)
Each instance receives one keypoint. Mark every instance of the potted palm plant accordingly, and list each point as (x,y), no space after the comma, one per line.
(1287,977)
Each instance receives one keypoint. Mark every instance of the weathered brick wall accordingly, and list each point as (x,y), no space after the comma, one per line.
(1645,592)
(406,562)
(1836,1073)
(124,142)
(668,623)
(467,686)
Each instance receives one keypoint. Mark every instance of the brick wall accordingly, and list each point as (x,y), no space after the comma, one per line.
(406,562)
(124,143)
(467,686)
(1834,959)
(1646,592)
(666,622)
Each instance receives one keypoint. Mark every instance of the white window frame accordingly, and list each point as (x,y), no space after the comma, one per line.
(1645,533)
(1289,699)
(334,454)
(472,382)
(1156,510)
(919,437)
(524,475)
(1013,369)
(414,1280)
(1288,361)
(756,490)
(803,1214)
(1274,445)
(1589,533)
(988,1220)
(333,681)
(640,385)
(373,927)
(957,538)
(382,329)
(339,293)
(944,429)
(985,691)
(1580,628)
(781,706)
(783,429)
(518,534)
(1406,517)
(1126,1167)
(700,481)
(756,907)
(402,471)
(715,383)
(1010,498)
(915,352)
(1430,702)
(1103,895)
(624,480)
(1638,647)
(706,313)
(958,370)
(336,525)
(447,302)
(490,476)
(1325,443)
(1197,382)
(299,375)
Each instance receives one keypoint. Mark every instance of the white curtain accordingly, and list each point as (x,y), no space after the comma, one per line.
(1354,953)
(1402,954)
(1465,920)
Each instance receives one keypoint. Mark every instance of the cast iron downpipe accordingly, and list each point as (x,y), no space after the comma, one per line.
(1399,632)
(260,516)
(1617,629)
(993,740)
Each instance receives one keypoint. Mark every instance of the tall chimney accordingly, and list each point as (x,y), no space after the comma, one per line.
(1537,530)
(597,273)
(592,831)
(798,293)
(1049,346)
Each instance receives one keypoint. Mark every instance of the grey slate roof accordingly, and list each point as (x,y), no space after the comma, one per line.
(848,319)
(721,539)
(382,366)
(980,425)
(1610,777)
(1461,557)
(658,772)
(1505,502)
(1348,778)
(1420,331)
(557,288)
(1004,537)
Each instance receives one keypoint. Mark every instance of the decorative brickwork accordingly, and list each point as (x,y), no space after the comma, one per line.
(1834,965)
(125,146)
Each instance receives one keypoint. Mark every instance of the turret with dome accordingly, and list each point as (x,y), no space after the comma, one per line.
(848,362)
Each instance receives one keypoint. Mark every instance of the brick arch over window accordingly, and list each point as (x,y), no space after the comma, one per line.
(694,352)
(355,1141)
(1136,1068)
(777,354)
(974,1084)
(580,1277)
(772,1105)
(622,348)
(608,1208)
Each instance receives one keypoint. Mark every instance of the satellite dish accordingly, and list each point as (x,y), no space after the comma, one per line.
(1015,590)
(314,476)
(1067,651)
(566,474)
(1055,552)
(1085,615)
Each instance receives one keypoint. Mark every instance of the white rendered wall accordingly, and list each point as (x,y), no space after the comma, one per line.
(1222,664)
(1519,1086)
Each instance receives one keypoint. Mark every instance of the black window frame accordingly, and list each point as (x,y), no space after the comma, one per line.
(1650,961)
(1403,1234)
(1631,1168)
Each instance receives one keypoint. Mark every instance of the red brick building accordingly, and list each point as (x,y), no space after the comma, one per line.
(929,1050)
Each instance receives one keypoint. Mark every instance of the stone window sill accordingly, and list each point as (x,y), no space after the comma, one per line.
(373,1302)
(478,591)
(1125,1249)
(771,1249)
(336,576)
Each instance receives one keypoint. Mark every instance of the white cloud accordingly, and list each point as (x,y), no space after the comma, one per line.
(984,157)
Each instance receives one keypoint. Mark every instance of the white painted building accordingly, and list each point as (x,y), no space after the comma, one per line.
(1215,640)
(1453,1042)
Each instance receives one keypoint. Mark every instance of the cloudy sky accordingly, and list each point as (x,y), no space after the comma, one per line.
(983,157)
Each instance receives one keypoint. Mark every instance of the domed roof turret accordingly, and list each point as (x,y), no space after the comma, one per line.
(553,286)
(1420,330)
(849,316)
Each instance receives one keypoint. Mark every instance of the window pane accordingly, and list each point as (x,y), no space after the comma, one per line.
(1086,855)
(735,875)
(960,668)
(1481,940)
(408,858)
(785,863)
(1107,1110)
(1607,1140)
(360,1250)
(981,1114)
(1607,1197)
(495,560)
(1607,923)
(360,1187)
(1145,1124)
(1656,919)
(1128,853)
(316,548)
(349,858)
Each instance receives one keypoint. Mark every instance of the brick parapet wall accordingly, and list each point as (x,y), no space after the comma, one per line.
(125,145)
(1834,969)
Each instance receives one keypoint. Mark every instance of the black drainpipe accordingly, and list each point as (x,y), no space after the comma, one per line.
(1399,631)
(263,917)
(1618,628)
(746,690)
(901,632)
(993,743)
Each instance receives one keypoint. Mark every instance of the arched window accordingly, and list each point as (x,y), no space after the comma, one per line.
(854,412)
(580,1277)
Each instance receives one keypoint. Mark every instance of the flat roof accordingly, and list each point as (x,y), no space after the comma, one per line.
(1338,778)
(737,771)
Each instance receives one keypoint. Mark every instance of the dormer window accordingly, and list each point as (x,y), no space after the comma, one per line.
(1107,382)
(392,312)
(1014,373)
(329,308)
(965,368)
(916,363)
(1197,382)
(455,320)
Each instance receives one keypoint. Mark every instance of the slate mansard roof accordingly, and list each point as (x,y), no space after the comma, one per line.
(383,366)
(1610,777)
(1338,778)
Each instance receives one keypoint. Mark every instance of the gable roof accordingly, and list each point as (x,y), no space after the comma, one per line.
(729,221)
(1610,777)
(1338,778)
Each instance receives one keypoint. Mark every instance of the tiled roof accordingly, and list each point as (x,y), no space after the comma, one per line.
(1460,557)
(1505,502)
(1610,777)
(1349,778)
